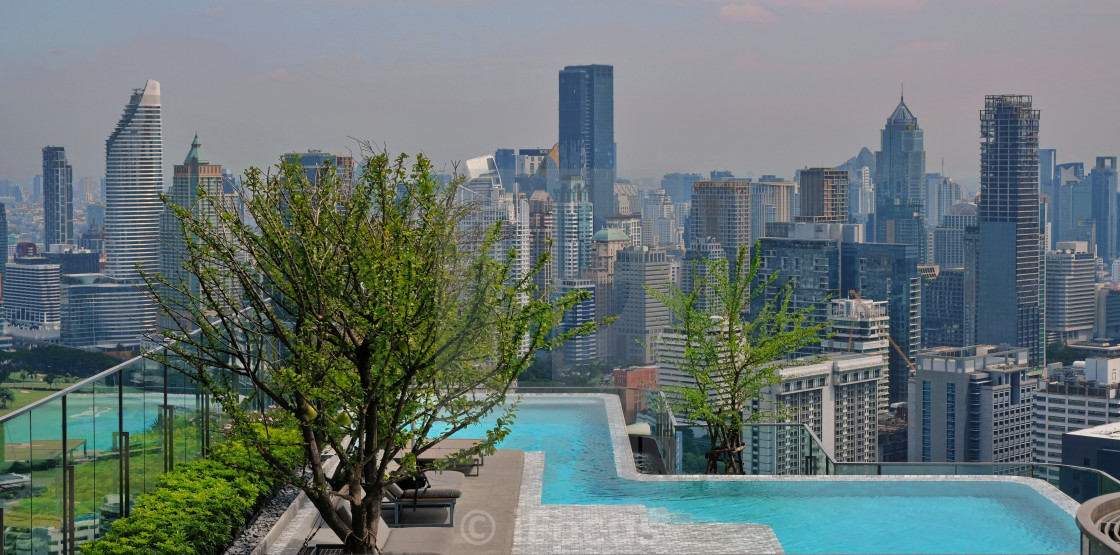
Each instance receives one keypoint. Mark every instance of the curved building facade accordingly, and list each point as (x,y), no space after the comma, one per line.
(133,183)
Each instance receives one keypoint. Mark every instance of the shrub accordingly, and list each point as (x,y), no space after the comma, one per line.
(199,507)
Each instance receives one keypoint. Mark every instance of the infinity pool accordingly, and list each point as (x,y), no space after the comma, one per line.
(808,516)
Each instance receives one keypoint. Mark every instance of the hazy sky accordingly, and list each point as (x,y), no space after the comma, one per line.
(763,86)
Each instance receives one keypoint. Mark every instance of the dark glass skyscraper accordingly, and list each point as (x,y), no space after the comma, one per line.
(1009,262)
(889,272)
(900,179)
(587,146)
(58,197)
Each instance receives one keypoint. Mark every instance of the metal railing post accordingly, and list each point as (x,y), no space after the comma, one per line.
(126,493)
(68,474)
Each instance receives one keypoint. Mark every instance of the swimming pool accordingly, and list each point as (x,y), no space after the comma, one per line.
(808,515)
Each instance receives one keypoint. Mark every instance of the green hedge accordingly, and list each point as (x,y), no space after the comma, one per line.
(197,508)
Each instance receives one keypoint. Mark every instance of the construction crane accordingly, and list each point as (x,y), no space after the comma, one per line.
(867,309)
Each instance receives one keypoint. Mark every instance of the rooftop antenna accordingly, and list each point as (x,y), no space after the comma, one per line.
(901,92)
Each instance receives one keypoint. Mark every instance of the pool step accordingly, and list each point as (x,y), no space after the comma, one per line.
(1110,525)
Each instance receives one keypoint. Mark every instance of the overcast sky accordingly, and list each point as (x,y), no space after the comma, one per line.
(763,86)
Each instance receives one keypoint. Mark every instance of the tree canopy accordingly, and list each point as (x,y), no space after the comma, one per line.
(729,357)
(361,313)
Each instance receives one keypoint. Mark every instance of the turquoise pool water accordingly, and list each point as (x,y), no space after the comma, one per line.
(809,516)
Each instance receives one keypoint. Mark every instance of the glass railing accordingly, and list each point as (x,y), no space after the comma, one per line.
(1080,484)
(769,449)
(75,461)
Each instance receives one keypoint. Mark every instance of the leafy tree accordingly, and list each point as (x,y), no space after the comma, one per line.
(362,310)
(6,397)
(53,358)
(49,378)
(1060,351)
(729,357)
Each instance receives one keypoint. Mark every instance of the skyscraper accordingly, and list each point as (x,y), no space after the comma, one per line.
(721,210)
(315,160)
(824,196)
(1070,294)
(770,202)
(641,317)
(587,146)
(572,230)
(196,174)
(948,237)
(605,245)
(133,182)
(889,272)
(900,181)
(58,197)
(1105,210)
(1009,272)
(541,221)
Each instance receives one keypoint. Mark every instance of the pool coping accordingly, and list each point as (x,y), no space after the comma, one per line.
(624,464)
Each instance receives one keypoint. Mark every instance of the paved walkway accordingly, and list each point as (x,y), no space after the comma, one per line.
(484,515)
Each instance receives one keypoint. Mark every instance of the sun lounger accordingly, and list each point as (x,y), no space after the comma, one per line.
(449,448)
(397,499)
(392,541)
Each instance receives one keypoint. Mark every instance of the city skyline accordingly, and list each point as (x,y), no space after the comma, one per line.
(690,78)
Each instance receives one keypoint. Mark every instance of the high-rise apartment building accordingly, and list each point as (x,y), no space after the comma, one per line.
(605,245)
(948,237)
(837,398)
(900,181)
(972,405)
(1009,287)
(581,349)
(641,318)
(1070,292)
(99,311)
(571,231)
(587,147)
(58,198)
(861,326)
(492,205)
(771,201)
(195,176)
(1073,398)
(628,199)
(824,196)
(696,266)
(541,221)
(3,245)
(679,185)
(942,193)
(631,225)
(721,210)
(133,183)
(660,213)
(805,259)
(32,301)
